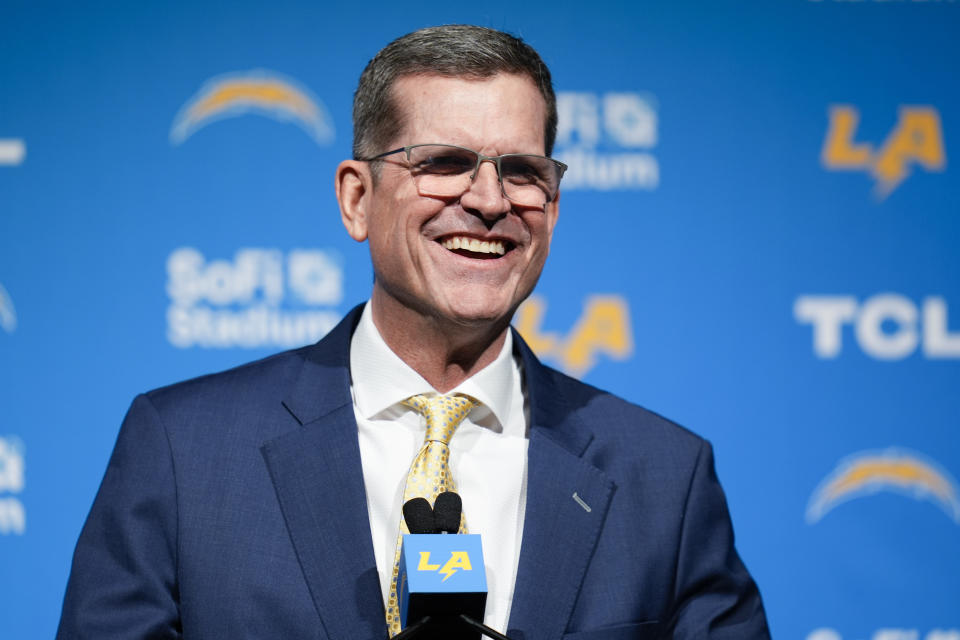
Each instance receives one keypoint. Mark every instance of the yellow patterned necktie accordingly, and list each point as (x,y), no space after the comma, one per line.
(429,473)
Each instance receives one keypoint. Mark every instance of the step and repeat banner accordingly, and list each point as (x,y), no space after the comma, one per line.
(758,238)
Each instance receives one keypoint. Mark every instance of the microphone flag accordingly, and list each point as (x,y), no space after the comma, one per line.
(442,576)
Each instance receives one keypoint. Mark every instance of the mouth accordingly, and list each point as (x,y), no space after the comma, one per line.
(476,248)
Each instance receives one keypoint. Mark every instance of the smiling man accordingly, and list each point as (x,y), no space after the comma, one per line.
(266,501)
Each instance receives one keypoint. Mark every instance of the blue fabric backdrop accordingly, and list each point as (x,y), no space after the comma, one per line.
(758,238)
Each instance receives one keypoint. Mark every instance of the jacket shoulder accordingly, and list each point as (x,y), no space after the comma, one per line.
(618,421)
(237,384)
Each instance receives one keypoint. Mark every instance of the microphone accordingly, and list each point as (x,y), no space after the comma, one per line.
(442,577)
(446,512)
(419,516)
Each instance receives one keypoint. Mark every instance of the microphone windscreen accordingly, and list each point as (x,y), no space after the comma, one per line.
(446,512)
(418,516)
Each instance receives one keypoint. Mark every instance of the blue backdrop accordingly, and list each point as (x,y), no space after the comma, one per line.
(758,238)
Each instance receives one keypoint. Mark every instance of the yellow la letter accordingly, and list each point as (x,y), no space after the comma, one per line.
(839,150)
(604,326)
(917,138)
(425,562)
(528,321)
(458,560)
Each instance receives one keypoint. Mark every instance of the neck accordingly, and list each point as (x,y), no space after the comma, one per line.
(444,353)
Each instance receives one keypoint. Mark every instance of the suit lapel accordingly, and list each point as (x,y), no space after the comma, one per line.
(567,501)
(316,472)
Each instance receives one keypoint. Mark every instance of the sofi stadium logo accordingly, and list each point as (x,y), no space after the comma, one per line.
(259,92)
(12,152)
(602,329)
(892,470)
(259,298)
(607,139)
(915,140)
(886,326)
(13,517)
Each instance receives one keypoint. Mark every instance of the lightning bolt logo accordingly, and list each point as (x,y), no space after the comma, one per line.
(447,572)
(458,560)
(260,92)
(891,470)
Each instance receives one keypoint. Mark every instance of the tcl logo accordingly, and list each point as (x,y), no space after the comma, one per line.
(886,326)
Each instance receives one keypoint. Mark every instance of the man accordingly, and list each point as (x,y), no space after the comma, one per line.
(265,501)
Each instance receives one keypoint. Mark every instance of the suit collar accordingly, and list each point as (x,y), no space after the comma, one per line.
(328,361)
(552,411)
(381,380)
(324,381)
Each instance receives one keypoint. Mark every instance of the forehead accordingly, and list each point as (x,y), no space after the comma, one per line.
(504,113)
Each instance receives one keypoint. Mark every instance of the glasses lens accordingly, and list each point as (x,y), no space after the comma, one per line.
(446,171)
(529,179)
(440,170)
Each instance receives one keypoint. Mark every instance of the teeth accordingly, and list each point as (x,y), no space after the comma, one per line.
(474,245)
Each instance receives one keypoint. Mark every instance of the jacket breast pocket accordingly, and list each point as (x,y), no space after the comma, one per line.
(634,631)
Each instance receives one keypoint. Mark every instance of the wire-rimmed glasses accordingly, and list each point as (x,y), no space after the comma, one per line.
(446,171)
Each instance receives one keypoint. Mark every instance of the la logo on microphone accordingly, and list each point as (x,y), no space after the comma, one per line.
(458,560)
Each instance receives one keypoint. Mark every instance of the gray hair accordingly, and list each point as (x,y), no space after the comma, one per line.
(455,50)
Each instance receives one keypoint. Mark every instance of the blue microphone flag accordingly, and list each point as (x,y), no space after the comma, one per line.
(441,575)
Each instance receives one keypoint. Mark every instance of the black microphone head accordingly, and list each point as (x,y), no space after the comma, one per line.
(446,512)
(419,516)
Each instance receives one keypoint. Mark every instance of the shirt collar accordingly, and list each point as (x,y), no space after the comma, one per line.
(380,379)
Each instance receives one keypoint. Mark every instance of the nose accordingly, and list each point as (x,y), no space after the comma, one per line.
(485,196)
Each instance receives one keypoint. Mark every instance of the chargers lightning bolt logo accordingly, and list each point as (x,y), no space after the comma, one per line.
(895,470)
(260,92)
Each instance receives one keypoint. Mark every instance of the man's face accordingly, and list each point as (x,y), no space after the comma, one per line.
(412,236)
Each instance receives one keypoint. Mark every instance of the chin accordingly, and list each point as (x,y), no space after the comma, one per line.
(480,312)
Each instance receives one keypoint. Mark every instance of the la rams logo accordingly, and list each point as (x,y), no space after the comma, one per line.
(259,92)
(8,315)
(894,470)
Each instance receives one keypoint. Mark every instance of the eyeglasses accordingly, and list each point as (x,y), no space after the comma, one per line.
(446,170)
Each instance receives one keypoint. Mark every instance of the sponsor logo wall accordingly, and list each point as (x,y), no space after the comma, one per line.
(758,239)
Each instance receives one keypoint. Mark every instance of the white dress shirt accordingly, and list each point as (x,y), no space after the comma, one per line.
(488,455)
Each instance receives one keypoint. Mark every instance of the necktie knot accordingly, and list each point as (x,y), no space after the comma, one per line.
(443,414)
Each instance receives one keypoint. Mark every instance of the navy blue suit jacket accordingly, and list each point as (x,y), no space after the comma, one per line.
(234,507)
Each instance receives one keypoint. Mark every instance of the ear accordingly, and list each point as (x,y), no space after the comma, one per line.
(354,186)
